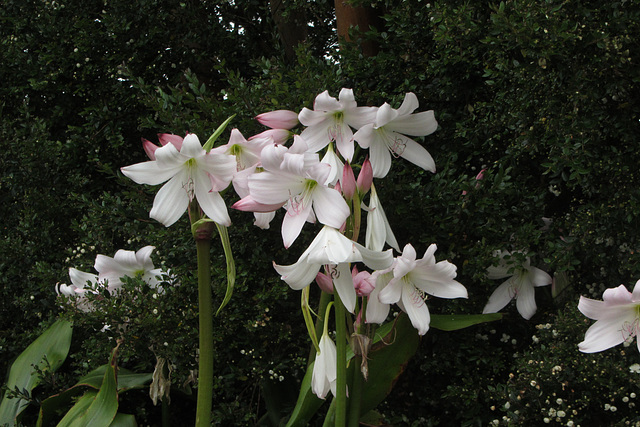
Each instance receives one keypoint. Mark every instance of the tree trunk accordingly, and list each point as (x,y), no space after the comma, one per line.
(348,16)
(292,28)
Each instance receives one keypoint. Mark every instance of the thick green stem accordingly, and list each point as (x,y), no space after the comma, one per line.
(166,421)
(205,307)
(355,393)
(341,363)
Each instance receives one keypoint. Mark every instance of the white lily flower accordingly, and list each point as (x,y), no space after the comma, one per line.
(325,372)
(247,153)
(127,263)
(386,136)
(378,228)
(332,159)
(81,283)
(332,248)
(331,120)
(412,279)
(294,178)
(617,319)
(519,285)
(192,173)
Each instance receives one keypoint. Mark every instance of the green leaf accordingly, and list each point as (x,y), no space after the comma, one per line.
(127,380)
(80,408)
(53,345)
(103,407)
(231,265)
(212,139)
(387,360)
(307,404)
(124,420)
(453,322)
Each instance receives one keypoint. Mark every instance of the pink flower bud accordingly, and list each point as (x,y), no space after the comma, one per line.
(280,136)
(279,119)
(324,282)
(480,174)
(165,138)
(365,177)
(348,182)
(362,282)
(149,148)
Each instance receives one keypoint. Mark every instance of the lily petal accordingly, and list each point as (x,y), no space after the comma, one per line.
(526,301)
(606,332)
(500,297)
(413,303)
(343,284)
(172,200)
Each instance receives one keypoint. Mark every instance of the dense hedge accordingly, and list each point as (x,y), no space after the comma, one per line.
(542,96)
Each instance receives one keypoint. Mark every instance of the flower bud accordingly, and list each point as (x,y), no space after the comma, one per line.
(324,282)
(165,138)
(362,282)
(279,119)
(365,177)
(348,182)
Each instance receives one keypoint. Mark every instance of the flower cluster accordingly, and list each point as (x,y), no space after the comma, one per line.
(111,271)
(312,182)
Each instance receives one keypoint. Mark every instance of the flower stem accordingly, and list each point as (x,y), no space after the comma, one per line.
(202,234)
(355,393)
(341,363)
(205,367)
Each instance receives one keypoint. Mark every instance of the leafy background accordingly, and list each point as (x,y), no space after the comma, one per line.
(542,95)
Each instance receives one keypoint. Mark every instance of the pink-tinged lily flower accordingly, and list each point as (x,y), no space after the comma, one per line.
(247,153)
(279,119)
(386,136)
(279,136)
(519,285)
(325,373)
(294,178)
(331,120)
(127,263)
(378,227)
(164,138)
(332,248)
(617,319)
(263,215)
(412,279)
(365,178)
(192,173)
